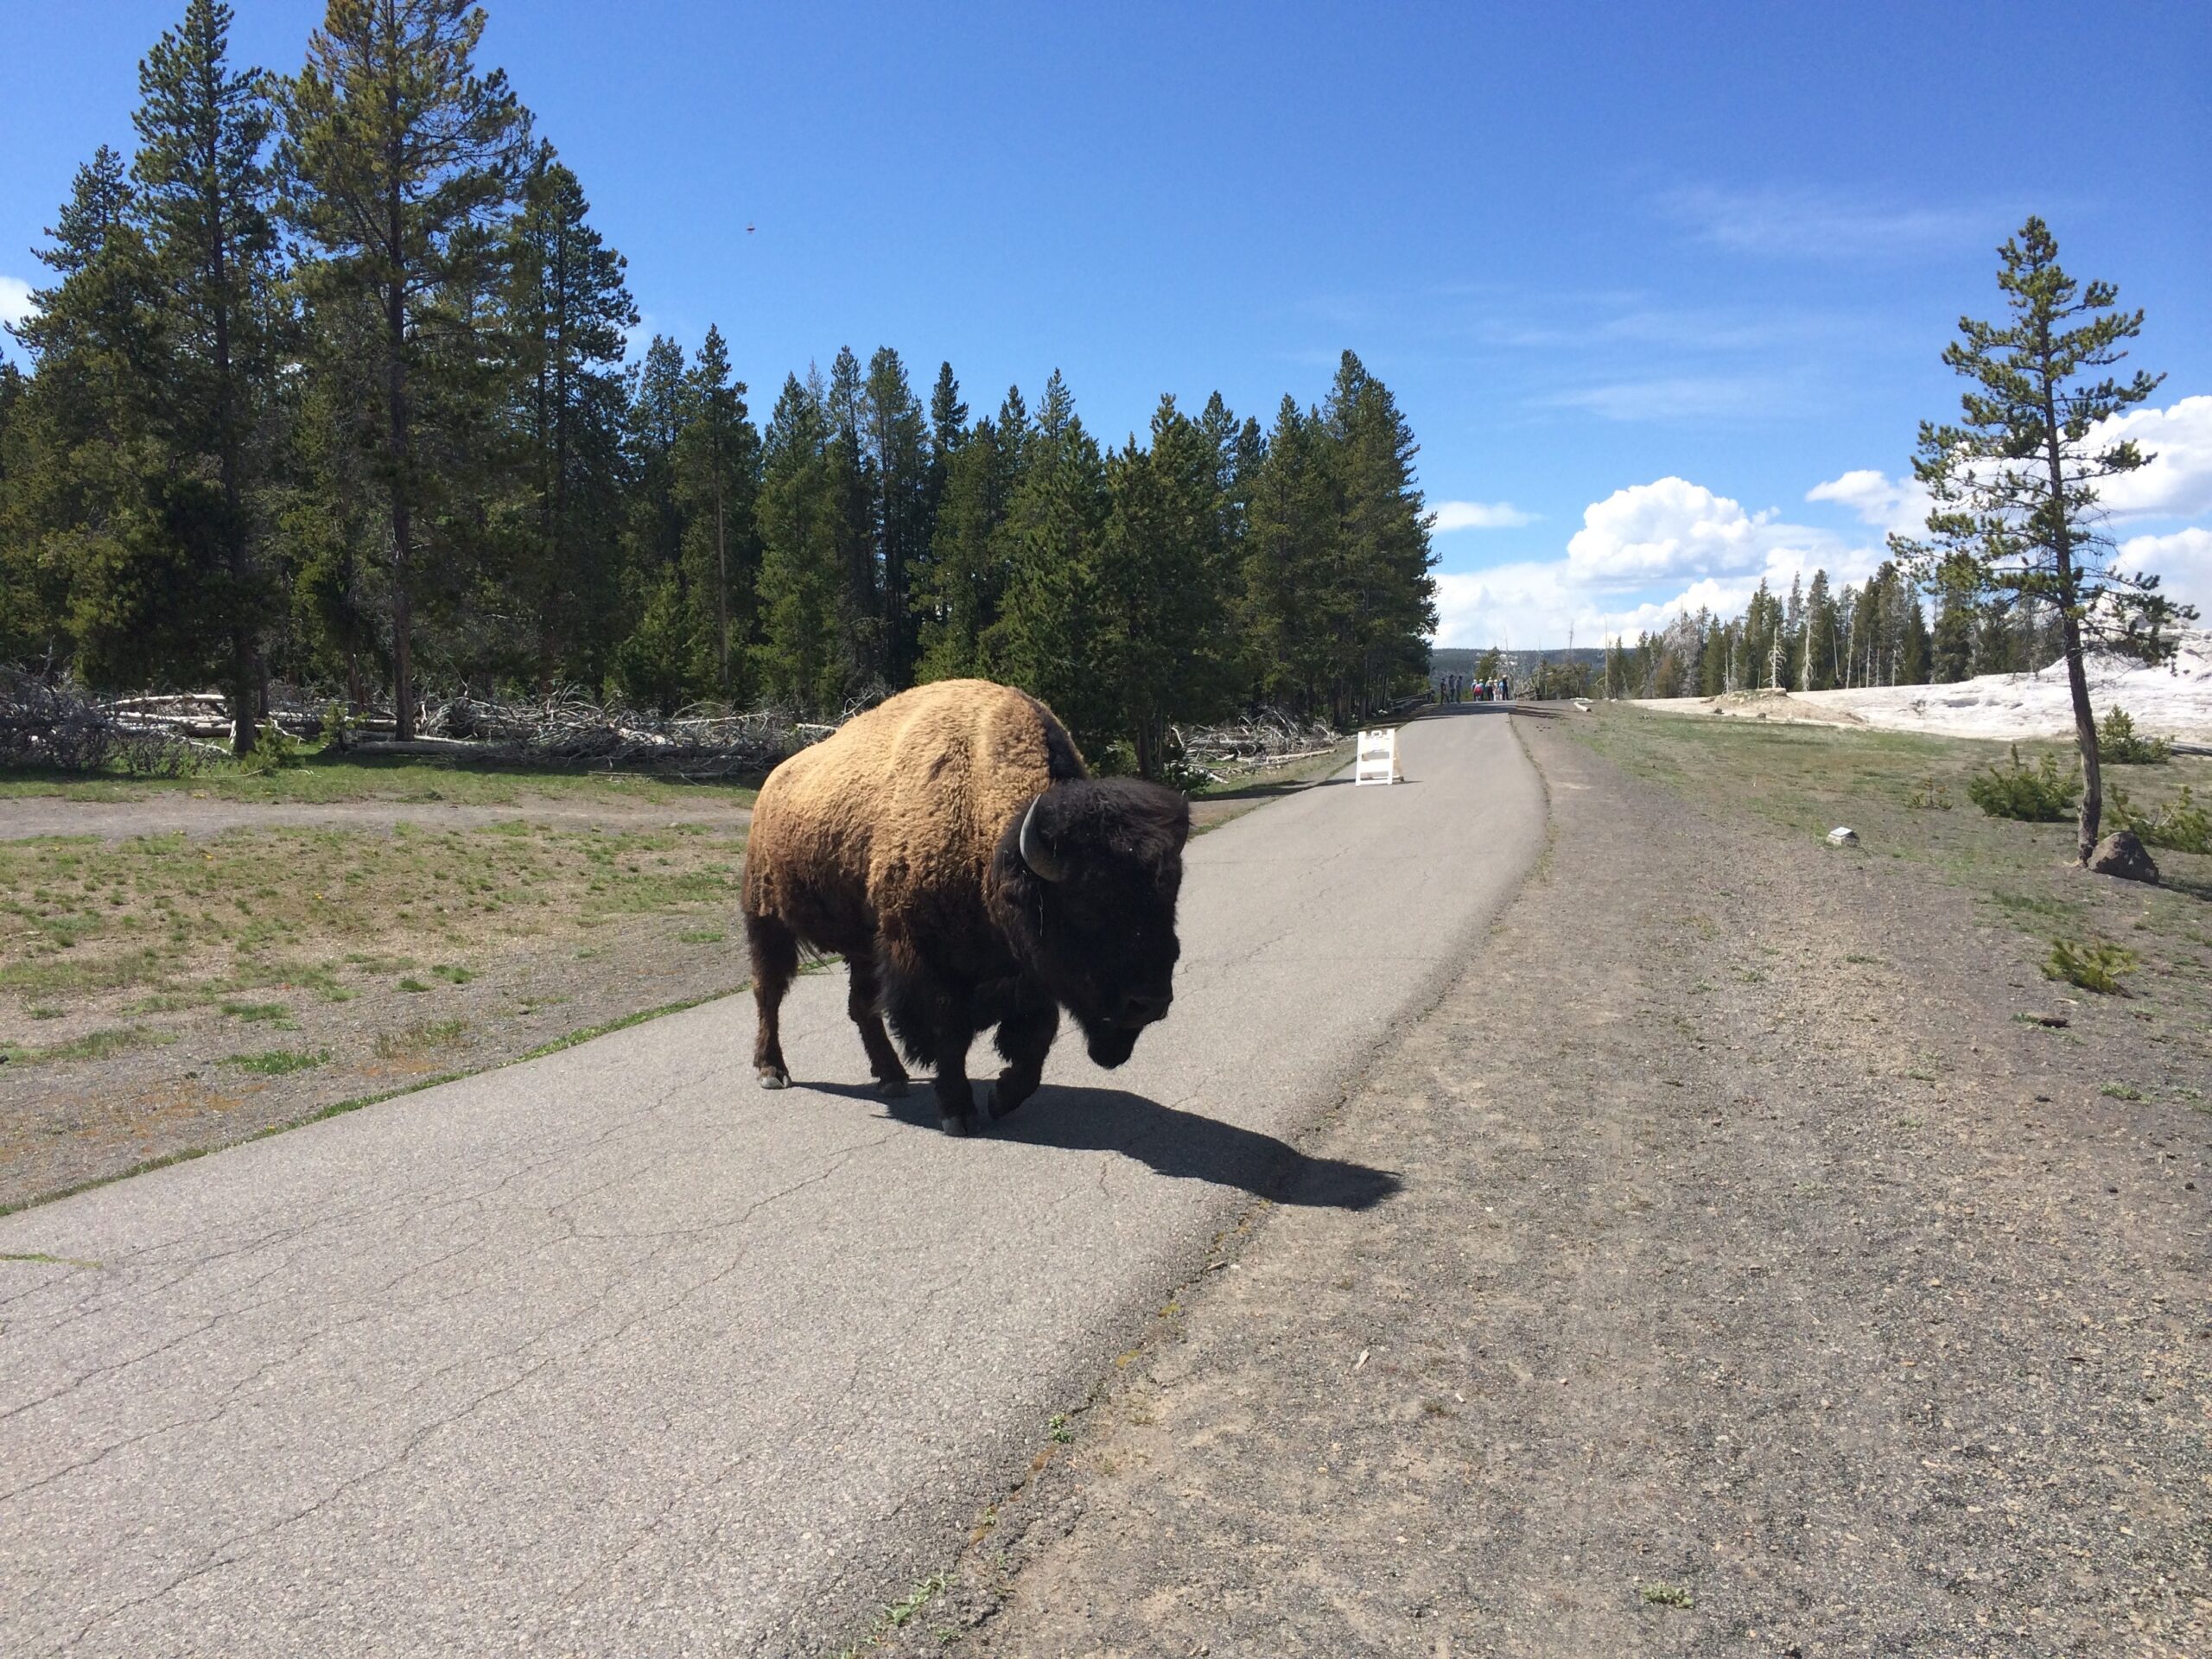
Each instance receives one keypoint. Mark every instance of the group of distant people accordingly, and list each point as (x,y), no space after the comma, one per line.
(1460,688)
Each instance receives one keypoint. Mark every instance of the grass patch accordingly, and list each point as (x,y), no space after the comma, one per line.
(412,985)
(1666,1595)
(2093,966)
(278,1062)
(701,936)
(311,908)
(92,1046)
(326,778)
(271,1013)
(424,1037)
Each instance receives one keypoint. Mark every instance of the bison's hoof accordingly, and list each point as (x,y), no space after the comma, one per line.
(891,1088)
(774,1080)
(964,1123)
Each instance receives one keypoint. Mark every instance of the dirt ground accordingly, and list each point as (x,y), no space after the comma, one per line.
(1768,1280)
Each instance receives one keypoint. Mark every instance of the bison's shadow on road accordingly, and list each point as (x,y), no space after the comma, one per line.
(1188,1146)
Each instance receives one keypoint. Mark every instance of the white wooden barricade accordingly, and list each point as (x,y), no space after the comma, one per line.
(1377,761)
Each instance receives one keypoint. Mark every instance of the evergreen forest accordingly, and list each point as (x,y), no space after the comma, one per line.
(330,385)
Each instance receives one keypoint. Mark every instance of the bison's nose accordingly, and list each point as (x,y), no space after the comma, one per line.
(1141,1008)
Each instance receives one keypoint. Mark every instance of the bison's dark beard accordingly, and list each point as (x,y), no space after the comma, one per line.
(1109,1045)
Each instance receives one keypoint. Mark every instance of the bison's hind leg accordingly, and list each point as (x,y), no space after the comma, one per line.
(775,961)
(864,1002)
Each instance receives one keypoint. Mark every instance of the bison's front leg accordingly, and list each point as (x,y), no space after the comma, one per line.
(1025,1038)
(935,1024)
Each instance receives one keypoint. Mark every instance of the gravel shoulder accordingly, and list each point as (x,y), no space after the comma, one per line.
(1764,1281)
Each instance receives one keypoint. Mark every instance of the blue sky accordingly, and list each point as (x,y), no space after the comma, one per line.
(1644,278)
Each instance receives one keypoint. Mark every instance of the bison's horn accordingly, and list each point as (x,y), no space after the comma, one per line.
(1038,856)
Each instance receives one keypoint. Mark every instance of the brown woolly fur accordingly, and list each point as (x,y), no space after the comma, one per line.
(902,805)
(896,843)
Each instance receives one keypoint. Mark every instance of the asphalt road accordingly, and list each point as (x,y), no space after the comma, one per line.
(613,1353)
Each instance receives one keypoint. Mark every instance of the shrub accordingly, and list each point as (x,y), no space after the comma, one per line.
(2093,966)
(1929,796)
(2119,743)
(2036,794)
(2180,823)
(274,749)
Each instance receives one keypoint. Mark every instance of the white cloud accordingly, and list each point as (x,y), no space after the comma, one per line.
(1822,226)
(2183,559)
(1673,527)
(15,306)
(1675,397)
(2177,483)
(1479,515)
(1900,505)
(1697,549)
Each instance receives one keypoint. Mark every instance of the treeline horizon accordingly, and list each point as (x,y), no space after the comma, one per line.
(1818,639)
(330,385)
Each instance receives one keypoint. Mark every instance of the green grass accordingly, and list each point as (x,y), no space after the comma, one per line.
(322,777)
(92,1046)
(270,1013)
(1667,1595)
(278,1062)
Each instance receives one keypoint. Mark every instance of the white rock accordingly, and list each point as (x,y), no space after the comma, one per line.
(1842,836)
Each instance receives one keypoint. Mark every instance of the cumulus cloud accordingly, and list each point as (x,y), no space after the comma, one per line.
(2177,484)
(2183,559)
(1697,549)
(1900,505)
(1479,515)
(1673,527)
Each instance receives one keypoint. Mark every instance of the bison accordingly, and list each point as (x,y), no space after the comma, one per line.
(951,846)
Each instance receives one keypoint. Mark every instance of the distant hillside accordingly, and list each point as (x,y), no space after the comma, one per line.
(1517,663)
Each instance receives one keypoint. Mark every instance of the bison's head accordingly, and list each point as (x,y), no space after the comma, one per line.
(1084,880)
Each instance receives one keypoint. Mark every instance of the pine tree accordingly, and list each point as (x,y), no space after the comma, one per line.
(964,585)
(94,505)
(1046,637)
(397,154)
(853,497)
(718,474)
(202,203)
(567,312)
(896,442)
(1387,597)
(1288,604)
(1158,643)
(2015,484)
(653,663)
(799,660)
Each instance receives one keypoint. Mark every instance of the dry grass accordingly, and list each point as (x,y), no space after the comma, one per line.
(176,922)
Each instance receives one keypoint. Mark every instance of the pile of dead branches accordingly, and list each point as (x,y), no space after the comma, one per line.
(56,727)
(566,728)
(1259,743)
